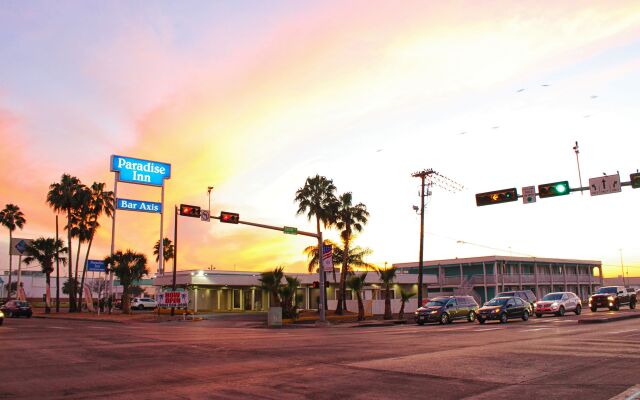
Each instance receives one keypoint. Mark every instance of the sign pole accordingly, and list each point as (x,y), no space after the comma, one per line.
(113,238)
(321,307)
(175,252)
(161,246)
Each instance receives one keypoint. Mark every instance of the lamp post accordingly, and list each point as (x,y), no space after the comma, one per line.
(209,189)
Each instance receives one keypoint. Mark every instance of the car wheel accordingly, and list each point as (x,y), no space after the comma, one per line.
(578,310)
(525,316)
(504,318)
(561,311)
(538,315)
(9,314)
(594,309)
(482,320)
(421,323)
(472,316)
(29,315)
(1,321)
(632,305)
(141,307)
(444,319)
(616,306)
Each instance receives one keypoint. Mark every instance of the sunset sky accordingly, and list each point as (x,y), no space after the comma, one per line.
(252,97)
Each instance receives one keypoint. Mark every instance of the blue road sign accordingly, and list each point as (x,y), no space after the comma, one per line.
(21,246)
(95,266)
(144,172)
(137,205)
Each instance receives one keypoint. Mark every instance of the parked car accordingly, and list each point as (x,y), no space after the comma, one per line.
(503,309)
(16,308)
(526,295)
(1,317)
(446,309)
(558,303)
(143,302)
(612,297)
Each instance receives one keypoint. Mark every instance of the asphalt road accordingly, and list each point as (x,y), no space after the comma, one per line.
(549,358)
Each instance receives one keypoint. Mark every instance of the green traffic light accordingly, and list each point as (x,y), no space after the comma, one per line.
(561,188)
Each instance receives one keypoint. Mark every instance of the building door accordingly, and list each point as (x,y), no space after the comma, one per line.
(236,299)
(247,299)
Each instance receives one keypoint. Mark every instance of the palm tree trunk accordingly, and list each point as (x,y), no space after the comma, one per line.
(126,304)
(47,308)
(360,307)
(86,259)
(57,270)
(10,266)
(72,290)
(75,276)
(321,269)
(401,313)
(342,301)
(387,303)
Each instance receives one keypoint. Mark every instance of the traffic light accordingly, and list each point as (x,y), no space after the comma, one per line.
(189,211)
(496,197)
(316,284)
(635,180)
(229,217)
(553,189)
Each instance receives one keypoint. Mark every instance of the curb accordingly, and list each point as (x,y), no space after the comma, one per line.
(81,319)
(602,320)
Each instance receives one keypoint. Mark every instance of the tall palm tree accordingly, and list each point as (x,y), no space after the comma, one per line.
(11,217)
(387,276)
(404,298)
(355,258)
(100,202)
(356,283)
(167,250)
(43,251)
(81,229)
(128,267)
(63,197)
(349,219)
(317,199)
(271,282)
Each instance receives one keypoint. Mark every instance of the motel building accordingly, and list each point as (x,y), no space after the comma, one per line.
(481,277)
(484,277)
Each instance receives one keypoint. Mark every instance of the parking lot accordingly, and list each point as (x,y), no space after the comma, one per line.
(542,358)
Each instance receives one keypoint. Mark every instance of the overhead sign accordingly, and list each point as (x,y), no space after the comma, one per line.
(605,185)
(95,266)
(290,230)
(18,246)
(327,257)
(205,216)
(144,172)
(528,194)
(173,299)
(137,205)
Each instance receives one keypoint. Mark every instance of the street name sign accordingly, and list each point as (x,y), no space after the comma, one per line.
(173,299)
(143,172)
(528,194)
(95,266)
(605,185)
(137,205)
(290,230)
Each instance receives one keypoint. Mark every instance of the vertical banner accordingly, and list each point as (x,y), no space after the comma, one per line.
(88,298)
(327,257)
(21,294)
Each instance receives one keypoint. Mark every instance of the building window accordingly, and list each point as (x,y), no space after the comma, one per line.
(236,298)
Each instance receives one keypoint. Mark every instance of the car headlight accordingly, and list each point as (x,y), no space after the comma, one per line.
(554,304)
(610,298)
(417,313)
(434,312)
(1,314)
(497,310)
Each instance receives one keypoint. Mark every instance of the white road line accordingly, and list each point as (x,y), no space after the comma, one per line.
(534,329)
(59,327)
(627,331)
(486,329)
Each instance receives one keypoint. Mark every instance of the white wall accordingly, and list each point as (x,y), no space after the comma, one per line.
(376,307)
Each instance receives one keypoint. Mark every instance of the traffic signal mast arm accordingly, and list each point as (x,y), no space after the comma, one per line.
(275,228)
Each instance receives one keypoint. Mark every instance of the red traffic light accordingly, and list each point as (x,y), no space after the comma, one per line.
(316,284)
(229,217)
(189,211)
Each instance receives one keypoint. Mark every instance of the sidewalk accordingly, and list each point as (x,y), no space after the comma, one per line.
(115,317)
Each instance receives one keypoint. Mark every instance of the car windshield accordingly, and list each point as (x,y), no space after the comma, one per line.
(22,304)
(437,302)
(506,294)
(607,290)
(553,296)
(496,302)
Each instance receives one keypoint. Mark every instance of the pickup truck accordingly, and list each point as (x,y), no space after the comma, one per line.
(612,297)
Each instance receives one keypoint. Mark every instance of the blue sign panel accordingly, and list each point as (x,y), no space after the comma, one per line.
(144,172)
(137,205)
(95,266)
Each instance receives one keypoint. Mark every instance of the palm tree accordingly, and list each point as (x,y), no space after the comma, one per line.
(356,283)
(271,282)
(287,294)
(63,197)
(11,217)
(167,250)
(128,267)
(43,250)
(100,201)
(349,219)
(81,229)
(355,258)
(387,276)
(317,199)
(404,298)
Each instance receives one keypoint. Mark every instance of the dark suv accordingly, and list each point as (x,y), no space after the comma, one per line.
(526,295)
(503,309)
(16,308)
(446,309)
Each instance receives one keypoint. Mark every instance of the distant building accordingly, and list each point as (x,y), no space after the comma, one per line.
(484,277)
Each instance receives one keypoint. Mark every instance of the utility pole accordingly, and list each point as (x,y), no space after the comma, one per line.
(429,177)
(622,267)
(575,148)
(175,253)
(209,189)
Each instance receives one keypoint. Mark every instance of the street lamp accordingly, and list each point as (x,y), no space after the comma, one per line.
(209,189)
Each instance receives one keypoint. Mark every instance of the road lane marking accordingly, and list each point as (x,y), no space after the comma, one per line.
(626,331)
(60,327)
(534,329)
(486,329)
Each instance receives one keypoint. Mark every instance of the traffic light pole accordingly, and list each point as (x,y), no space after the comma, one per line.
(321,307)
(175,253)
